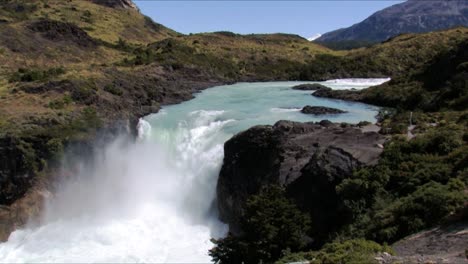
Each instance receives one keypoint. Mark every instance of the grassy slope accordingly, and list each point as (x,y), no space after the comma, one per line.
(429,72)
(21,48)
(399,56)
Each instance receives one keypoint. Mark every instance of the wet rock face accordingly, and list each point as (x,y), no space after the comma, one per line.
(127,4)
(309,159)
(21,211)
(16,172)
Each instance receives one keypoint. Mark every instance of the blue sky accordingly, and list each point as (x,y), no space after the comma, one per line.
(305,18)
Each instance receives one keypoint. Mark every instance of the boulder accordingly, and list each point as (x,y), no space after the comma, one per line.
(309,159)
(310,87)
(321,110)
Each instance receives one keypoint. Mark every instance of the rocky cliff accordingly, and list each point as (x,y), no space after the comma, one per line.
(310,159)
(127,4)
(413,16)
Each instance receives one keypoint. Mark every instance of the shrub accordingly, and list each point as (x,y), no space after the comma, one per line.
(31,75)
(55,148)
(113,90)
(416,185)
(87,17)
(351,251)
(427,206)
(61,103)
(29,156)
(272,224)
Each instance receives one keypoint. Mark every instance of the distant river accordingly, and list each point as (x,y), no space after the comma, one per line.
(152,201)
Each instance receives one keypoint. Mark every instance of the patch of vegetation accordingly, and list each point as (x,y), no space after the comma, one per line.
(55,148)
(142,57)
(20,10)
(328,66)
(417,184)
(113,89)
(28,154)
(32,75)
(273,225)
(87,17)
(61,103)
(84,92)
(350,251)
(226,33)
(347,45)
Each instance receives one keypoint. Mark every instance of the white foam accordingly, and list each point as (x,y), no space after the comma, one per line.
(144,129)
(356,83)
(284,110)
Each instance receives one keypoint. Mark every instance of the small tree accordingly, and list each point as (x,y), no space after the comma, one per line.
(272,225)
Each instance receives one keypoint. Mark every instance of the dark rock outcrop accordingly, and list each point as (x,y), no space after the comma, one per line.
(61,31)
(310,87)
(413,16)
(127,4)
(309,159)
(16,176)
(347,95)
(321,110)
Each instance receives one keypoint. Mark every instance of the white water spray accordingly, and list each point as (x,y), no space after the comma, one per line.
(135,203)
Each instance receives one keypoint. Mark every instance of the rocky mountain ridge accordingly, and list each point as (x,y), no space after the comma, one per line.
(126,4)
(413,16)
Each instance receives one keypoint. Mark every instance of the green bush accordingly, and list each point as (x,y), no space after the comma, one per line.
(29,156)
(55,149)
(427,206)
(84,92)
(416,185)
(87,17)
(60,103)
(273,225)
(32,75)
(350,251)
(113,90)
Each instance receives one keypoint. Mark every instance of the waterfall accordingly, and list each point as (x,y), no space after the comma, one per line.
(152,200)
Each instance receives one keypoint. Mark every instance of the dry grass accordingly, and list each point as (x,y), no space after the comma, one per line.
(243,47)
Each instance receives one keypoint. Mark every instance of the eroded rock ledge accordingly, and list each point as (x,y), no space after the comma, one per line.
(126,4)
(309,159)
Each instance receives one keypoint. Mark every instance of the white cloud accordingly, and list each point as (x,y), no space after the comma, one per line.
(314,37)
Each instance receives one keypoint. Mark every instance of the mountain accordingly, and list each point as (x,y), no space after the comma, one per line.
(412,16)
